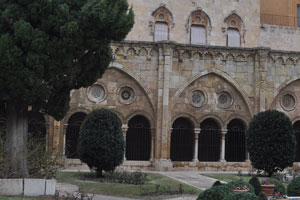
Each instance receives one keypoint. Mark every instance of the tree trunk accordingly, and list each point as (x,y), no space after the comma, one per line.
(16,139)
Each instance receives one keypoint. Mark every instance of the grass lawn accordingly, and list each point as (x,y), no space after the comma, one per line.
(124,190)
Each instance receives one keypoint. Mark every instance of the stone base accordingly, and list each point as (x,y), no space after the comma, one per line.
(163,165)
(11,187)
(27,187)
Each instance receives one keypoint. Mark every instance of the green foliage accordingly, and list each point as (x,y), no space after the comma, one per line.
(217,183)
(215,193)
(262,196)
(239,183)
(241,196)
(293,188)
(49,47)
(256,184)
(136,178)
(271,141)
(101,143)
(279,186)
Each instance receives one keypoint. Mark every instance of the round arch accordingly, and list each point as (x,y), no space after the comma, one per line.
(244,120)
(223,75)
(235,141)
(296,126)
(138,139)
(209,142)
(140,113)
(216,118)
(188,116)
(182,140)
(72,134)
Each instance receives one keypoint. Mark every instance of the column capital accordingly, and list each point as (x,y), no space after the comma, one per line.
(224,131)
(197,130)
(124,128)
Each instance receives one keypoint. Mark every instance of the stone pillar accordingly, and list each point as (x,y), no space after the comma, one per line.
(163,119)
(222,156)
(64,142)
(152,144)
(260,82)
(197,132)
(124,131)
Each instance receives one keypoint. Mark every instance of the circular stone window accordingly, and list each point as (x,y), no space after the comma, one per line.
(161,16)
(288,101)
(126,95)
(232,23)
(197,98)
(96,93)
(224,100)
(198,19)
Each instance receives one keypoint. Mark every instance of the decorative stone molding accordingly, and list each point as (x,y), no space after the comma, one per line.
(288,101)
(198,98)
(224,100)
(234,21)
(126,95)
(161,14)
(97,93)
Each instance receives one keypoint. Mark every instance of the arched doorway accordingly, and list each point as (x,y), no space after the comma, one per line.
(72,134)
(209,141)
(235,142)
(138,139)
(297,134)
(182,140)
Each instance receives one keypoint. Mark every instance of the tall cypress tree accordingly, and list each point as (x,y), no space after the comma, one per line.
(48,48)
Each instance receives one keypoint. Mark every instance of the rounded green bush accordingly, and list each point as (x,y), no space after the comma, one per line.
(101,142)
(239,183)
(293,188)
(241,196)
(215,193)
(271,141)
(279,186)
(256,184)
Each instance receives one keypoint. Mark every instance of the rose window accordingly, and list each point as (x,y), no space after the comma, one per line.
(127,95)
(224,100)
(96,93)
(198,98)
(288,102)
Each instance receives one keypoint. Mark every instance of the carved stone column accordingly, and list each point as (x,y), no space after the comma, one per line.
(222,156)
(124,131)
(152,144)
(197,132)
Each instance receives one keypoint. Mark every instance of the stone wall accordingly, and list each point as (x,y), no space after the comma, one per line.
(216,10)
(280,37)
(230,83)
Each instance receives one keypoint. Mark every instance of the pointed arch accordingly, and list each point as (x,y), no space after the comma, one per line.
(282,87)
(137,79)
(221,74)
(200,12)
(163,9)
(234,15)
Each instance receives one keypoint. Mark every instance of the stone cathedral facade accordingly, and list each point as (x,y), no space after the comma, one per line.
(186,82)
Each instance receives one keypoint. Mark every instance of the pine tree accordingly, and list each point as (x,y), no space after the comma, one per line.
(48,48)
